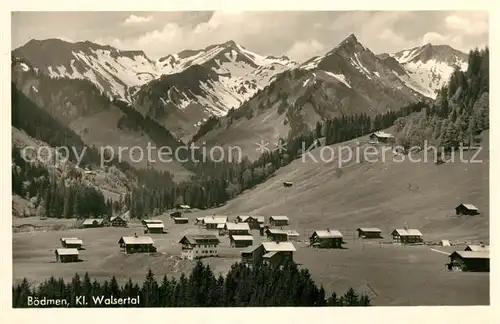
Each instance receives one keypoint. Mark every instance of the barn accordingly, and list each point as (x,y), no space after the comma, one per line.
(466,209)
(151,221)
(93,222)
(211,222)
(239,241)
(277,235)
(407,236)
(274,253)
(279,220)
(369,232)
(155,228)
(137,244)
(237,229)
(381,137)
(71,243)
(329,239)
(469,261)
(66,255)
(181,220)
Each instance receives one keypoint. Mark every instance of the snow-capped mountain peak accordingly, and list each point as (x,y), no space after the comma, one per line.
(430,65)
(214,56)
(112,70)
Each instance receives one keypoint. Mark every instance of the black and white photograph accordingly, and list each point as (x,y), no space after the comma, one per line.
(273,158)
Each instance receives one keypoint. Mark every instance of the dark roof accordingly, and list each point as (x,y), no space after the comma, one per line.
(117,218)
(200,239)
(369,229)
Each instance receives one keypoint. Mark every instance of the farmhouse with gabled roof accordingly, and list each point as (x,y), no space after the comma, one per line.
(66,255)
(327,239)
(406,236)
(137,244)
(466,209)
(274,253)
(198,246)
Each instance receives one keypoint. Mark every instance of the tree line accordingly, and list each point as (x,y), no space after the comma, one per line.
(243,286)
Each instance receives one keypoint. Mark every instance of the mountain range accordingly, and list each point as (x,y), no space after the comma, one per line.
(81,84)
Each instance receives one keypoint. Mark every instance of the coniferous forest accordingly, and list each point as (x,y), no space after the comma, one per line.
(242,286)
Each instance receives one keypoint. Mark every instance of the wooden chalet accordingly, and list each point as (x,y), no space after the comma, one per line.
(71,243)
(181,220)
(154,228)
(67,255)
(277,235)
(466,209)
(151,221)
(211,222)
(93,222)
(477,248)
(239,241)
(382,137)
(407,236)
(253,221)
(199,246)
(137,244)
(369,232)
(275,253)
(242,218)
(327,239)
(237,229)
(119,221)
(469,261)
(279,221)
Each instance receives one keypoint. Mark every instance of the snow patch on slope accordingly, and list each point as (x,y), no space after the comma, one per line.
(431,76)
(339,77)
(24,67)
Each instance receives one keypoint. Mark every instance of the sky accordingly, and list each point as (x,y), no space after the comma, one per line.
(297,34)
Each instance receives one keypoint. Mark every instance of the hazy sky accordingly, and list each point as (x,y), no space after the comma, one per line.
(300,35)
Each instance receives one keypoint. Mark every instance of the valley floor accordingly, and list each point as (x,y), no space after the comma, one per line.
(389,274)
